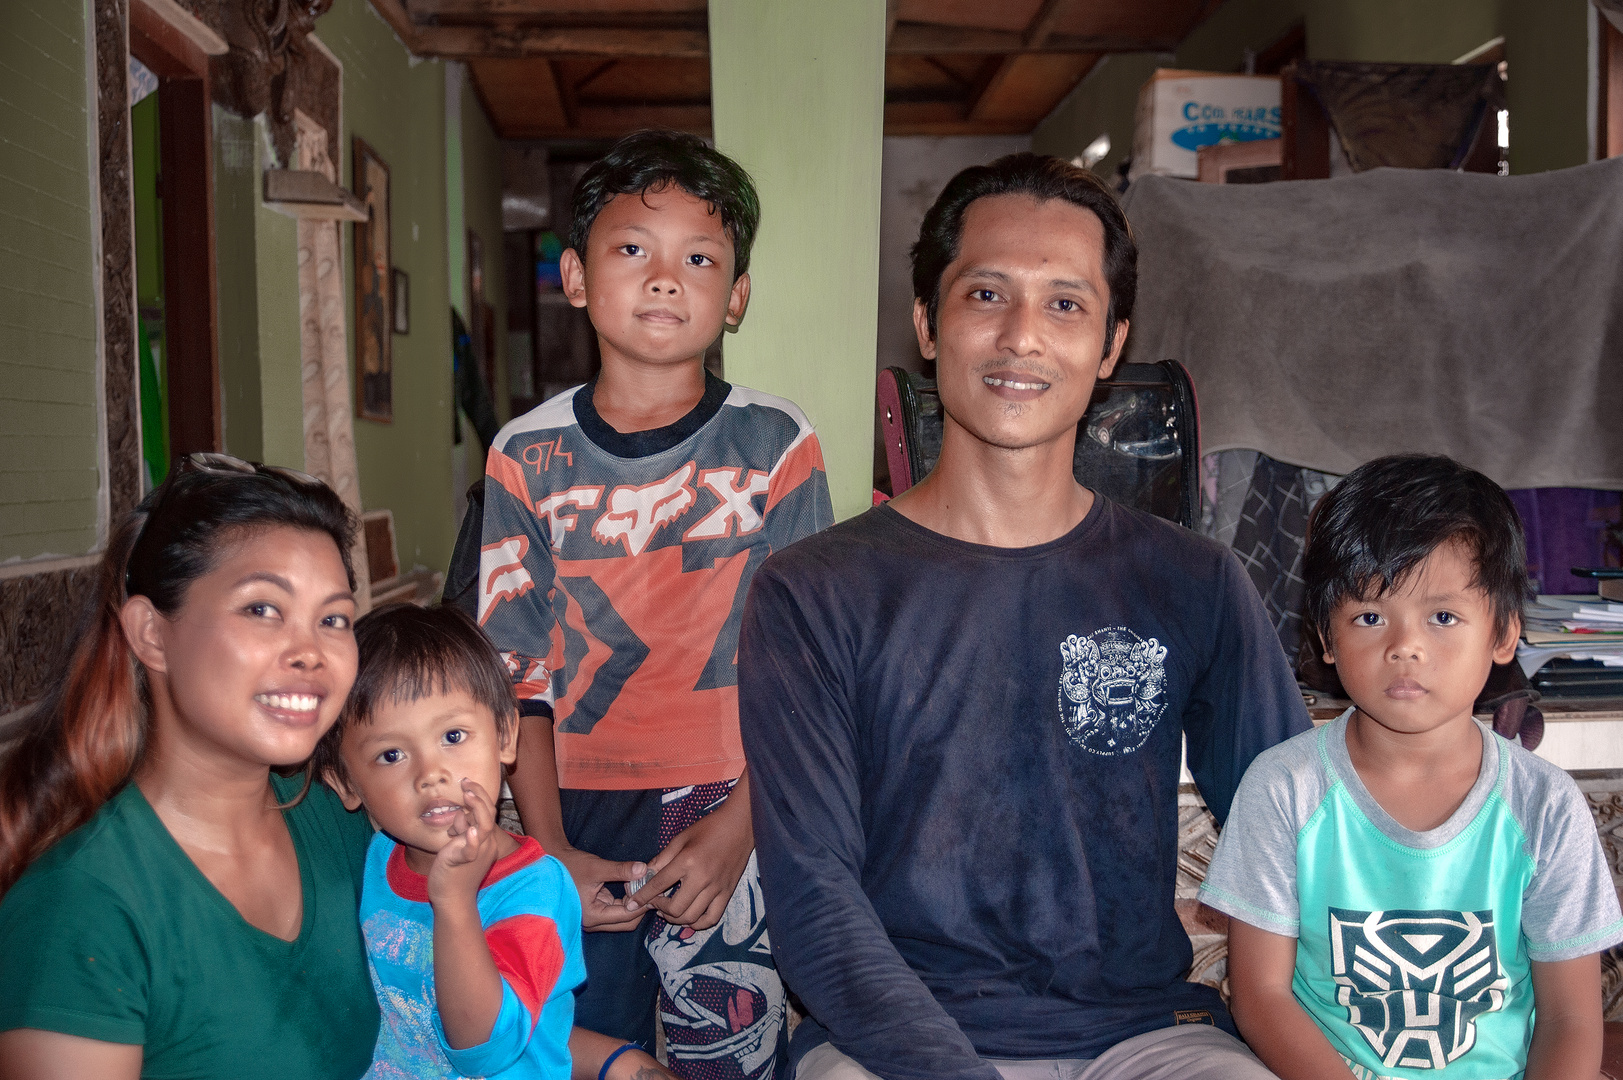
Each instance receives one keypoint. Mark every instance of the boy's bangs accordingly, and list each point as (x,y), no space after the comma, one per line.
(1393,574)
(408,653)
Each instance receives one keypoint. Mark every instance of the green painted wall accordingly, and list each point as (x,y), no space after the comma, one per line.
(1102,104)
(397,104)
(148,214)
(1400,31)
(257,277)
(237,283)
(1546,43)
(810,329)
(1547,47)
(49,416)
(481,161)
(1219,43)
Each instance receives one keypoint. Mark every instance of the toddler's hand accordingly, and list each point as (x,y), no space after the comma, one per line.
(464,861)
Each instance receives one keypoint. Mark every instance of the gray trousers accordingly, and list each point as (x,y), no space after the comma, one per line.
(1185,1052)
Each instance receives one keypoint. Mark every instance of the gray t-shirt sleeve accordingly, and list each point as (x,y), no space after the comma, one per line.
(1570,908)
(1253,873)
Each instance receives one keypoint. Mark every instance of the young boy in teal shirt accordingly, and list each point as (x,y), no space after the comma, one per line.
(1409,891)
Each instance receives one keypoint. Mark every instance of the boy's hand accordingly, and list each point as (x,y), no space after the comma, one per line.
(462,863)
(706,859)
(1273,1022)
(599,908)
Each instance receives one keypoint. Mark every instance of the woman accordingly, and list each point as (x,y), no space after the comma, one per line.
(171,907)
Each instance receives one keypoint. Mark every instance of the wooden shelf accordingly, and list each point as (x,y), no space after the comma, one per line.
(300,193)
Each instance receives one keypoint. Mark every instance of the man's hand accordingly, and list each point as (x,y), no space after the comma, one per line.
(706,859)
(462,864)
(599,908)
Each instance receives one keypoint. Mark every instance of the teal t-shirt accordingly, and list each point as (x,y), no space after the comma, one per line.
(1414,949)
(115,934)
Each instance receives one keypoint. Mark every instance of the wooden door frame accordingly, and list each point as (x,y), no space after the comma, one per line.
(1609,94)
(186,141)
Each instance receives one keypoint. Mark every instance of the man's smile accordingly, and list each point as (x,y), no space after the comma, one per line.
(1013,384)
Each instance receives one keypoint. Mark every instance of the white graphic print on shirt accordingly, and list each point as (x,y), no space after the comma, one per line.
(1414,982)
(1112,689)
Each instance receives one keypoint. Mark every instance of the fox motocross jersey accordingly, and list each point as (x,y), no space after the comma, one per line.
(614,586)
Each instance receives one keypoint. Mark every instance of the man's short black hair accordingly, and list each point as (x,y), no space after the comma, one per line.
(1376,527)
(647,161)
(408,653)
(1040,177)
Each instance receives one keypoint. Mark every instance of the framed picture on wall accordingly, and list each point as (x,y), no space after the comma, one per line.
(374,323)
(401,300)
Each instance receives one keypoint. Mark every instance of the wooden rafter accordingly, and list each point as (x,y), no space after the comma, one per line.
(957,79)
(516,12)
(1040,30)
(566,93)
(941,79)
(474,42)
(693,41)
(922,38)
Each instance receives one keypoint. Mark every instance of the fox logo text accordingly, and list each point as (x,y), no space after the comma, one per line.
(501,573)
(634,514)
(735,504)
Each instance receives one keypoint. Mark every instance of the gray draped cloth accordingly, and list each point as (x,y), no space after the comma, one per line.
(1327,322)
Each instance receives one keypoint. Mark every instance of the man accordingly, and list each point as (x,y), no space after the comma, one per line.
(963,710)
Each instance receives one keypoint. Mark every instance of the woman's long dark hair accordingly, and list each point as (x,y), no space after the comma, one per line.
(83,742)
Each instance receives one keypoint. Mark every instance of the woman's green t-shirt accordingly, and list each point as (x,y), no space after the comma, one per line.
(115,934)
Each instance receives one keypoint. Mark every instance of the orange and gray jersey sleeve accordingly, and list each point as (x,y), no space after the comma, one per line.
(516,586)
(797,499)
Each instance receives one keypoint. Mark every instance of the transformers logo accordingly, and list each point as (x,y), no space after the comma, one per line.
(1112,689)
(1414,982)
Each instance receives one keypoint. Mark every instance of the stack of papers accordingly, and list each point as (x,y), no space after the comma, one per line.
(1575,627)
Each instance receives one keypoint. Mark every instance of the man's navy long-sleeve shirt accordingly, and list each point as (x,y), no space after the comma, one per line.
(964,771)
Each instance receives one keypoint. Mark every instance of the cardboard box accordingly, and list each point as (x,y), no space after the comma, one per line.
(1181,111)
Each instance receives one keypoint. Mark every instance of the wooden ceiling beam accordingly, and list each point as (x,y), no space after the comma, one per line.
(477,42)
(917,38)
(394,13)
(598,122)
(957,79)
(1040,30)
(471,42)
(693,42)
(566,93)
(439,12)
(958,127)
(597,69)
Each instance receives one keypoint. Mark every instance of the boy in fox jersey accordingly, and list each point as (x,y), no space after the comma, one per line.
(623,522)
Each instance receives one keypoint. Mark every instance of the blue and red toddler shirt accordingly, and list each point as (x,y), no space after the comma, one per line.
(531,915)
